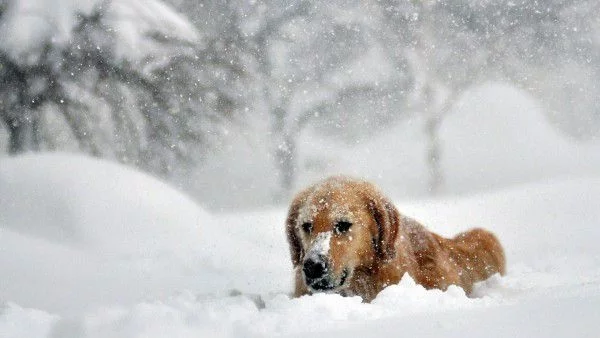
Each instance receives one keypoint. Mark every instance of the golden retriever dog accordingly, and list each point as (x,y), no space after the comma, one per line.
(346,237)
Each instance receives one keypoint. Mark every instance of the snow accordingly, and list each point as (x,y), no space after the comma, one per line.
(29,26)
(134,20)
(495,136)
(93,249)
(500,138)
(101,223)
(320,246)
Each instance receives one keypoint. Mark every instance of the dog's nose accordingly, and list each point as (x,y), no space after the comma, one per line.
(315,268)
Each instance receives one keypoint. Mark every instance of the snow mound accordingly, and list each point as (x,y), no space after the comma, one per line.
(76,232)
(500,137)
(16,321)
(95,205)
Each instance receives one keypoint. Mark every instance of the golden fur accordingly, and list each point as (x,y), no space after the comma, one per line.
(380,246)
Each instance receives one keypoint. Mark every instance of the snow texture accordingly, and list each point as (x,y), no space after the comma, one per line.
(92,249)
(320,246)
(29,26)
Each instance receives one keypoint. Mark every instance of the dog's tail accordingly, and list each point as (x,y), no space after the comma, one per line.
(479,252)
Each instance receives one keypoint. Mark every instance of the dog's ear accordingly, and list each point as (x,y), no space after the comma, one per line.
(293,238)
(388,221)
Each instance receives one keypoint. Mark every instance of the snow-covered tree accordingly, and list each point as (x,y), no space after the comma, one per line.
(126,78)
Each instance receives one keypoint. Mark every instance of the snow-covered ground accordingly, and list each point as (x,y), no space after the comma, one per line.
(92,249)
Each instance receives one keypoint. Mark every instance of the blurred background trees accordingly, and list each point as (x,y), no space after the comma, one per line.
(122,79)
(163,85)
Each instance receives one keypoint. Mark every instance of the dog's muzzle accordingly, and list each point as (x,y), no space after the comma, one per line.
(315,268)
(318,275)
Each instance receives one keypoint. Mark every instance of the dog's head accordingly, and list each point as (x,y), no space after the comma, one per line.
(336,227)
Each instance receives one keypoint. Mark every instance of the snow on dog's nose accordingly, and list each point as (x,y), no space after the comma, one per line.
(320,245)
(316,262)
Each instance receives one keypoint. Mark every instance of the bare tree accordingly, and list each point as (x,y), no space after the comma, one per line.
(303,53)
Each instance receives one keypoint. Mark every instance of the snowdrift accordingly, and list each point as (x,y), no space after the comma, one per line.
(76,228)
(93,249)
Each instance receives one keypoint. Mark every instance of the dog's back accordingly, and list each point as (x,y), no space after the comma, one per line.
(468,258)
(479,254)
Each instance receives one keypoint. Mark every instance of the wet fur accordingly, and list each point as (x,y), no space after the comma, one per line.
(383,244)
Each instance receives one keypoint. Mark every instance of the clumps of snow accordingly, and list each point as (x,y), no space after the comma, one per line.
(186,314)
(407,297)
(181,316)
(306,213)
(28,27)
(320,245)
(318,312)
(140,25)
(404,299)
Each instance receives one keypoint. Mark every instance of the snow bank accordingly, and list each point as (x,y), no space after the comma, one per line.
(78,228)
(499,136)
(95,205)
(16,321)
(134,258)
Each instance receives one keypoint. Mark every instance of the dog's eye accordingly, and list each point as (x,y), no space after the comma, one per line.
(307,227)
(342,226)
